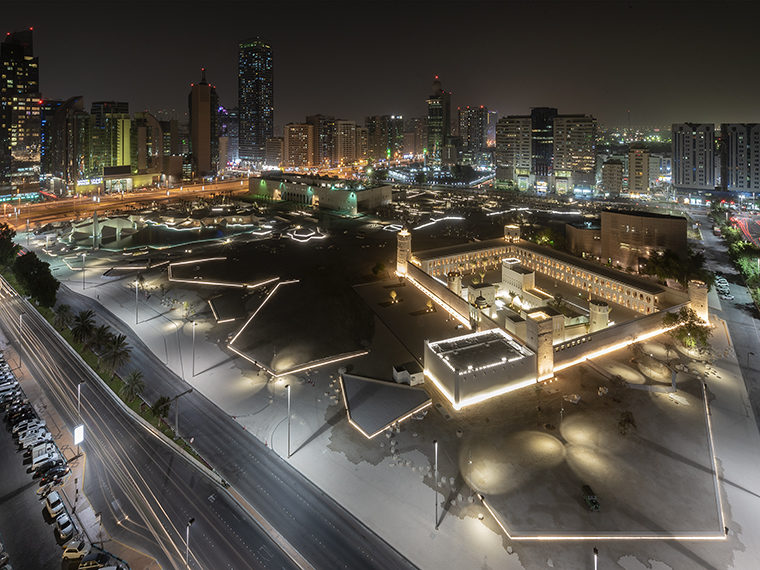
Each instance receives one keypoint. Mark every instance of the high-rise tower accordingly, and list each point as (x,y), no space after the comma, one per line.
(438,120)
(19,106)
(203,105)
(255,99)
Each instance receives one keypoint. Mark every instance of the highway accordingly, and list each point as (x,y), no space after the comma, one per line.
(322,531)
(74,208)
(145,490)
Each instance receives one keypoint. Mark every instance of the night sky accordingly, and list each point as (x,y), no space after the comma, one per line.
(665,61)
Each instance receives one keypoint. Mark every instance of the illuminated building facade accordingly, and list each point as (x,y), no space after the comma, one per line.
(274,151)
(385,136)
(574,152)
(111,136)
(740,157)
(630,237)
(324,131)
(19,108)
(473,128)
(438,120)
(300,149)
(542,143)
(513,154)
(612,177)
(345,142)
(638,170)
(693,156)
(255,98)
(203,105)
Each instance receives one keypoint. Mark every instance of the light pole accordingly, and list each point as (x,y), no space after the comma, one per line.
(187,541)
(137,288)
(79,400)
(435,488)
(84,255)
(596,558)
(194,323)
(288,387)
(748,355)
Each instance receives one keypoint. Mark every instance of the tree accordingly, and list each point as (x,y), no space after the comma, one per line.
(117,352)
(8,249)
(63,316)
(35,276)
(689,329)
(100,338)
(133,385)
(378,269)
(84,325)
(160,407)
(393,295)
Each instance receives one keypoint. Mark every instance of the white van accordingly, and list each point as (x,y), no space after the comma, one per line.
(44,457)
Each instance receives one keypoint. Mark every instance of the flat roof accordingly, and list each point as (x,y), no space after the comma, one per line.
(450,250)
(640,214)
(517,268)
(592,267)
(480,350)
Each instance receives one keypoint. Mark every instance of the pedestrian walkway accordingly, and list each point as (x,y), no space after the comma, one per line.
(87,520)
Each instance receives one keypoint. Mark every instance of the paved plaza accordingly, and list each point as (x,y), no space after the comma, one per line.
(528,463)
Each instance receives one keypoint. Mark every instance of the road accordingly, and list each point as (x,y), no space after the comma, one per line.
(143,487)
(322,531)
(68,208)
(740,314)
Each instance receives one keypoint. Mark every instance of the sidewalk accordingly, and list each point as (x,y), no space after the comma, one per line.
(87,520)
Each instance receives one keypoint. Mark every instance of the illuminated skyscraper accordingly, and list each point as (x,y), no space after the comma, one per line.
(203,105)
(111,135)
(693,156)
(473,127)
(438,120)
(324,131)
(255,99)
(574,151)
(19,108)
(740,157)
(300,148)
(638,170)
(542,141)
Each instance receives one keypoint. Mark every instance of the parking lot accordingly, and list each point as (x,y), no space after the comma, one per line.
(26,535)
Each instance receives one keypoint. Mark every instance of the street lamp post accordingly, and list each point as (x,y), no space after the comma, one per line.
(84,255)
(748,355)
(137,288)
(187,541)
(435,487)
(194,323)
(596,558)
(288,387)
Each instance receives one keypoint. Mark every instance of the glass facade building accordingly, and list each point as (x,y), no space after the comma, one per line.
(255,99)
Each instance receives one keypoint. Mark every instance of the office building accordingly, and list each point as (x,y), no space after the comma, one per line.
(740,157)
(19,109)
(693,156)
(414,136)
(638,170)
(612,177)
(473,128)
(274,150)
(111,135)
(228,126)
(542,144)
(48,108)
(493,119)
(255,99)
(203,105)
(324,131)
(513,150)
(300,148)
(438,120)
(574,159)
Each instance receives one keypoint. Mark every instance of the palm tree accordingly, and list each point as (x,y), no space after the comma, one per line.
(84,325)
(101,338)
(133,385)
(63,316)
(117,352)
(160,407)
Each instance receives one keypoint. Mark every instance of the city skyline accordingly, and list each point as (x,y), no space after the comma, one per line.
(345,73)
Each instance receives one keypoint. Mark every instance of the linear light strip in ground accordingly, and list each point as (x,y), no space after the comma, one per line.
(606,537)
(439,301)
(252,360)
(478,398)
(324,362)
(716,480)
(259,308)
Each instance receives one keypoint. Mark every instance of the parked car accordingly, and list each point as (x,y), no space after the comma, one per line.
(47,465)
(21,415)
(590,499)
(40,437)
(64,525)
(727,297)
(19,427)
(55,473)
(54,504)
